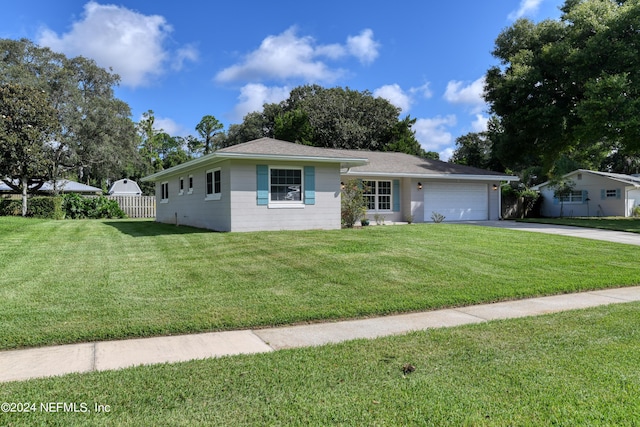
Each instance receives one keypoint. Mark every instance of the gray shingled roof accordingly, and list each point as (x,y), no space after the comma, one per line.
(64,186)
(358,162)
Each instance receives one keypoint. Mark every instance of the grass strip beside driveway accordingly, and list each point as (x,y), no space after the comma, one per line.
(630,225)
(74,281)
(572,368)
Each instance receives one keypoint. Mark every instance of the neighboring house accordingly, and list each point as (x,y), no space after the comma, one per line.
(594,194)
(267,184)
(62,186)
(124,187)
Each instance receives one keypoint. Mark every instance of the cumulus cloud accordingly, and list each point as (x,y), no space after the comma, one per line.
(433,133)
(187,53)
(115,37)
(395,95)
(253,96)
(363,46)
(480,124)
(527,7)
(289,56)
(471,94)
(170,126)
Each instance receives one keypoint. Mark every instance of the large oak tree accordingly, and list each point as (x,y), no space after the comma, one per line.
(568,87)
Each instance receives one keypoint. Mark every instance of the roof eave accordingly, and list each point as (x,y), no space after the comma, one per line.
(219,156)
(447,176)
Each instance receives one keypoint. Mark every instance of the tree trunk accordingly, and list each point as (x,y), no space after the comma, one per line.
(25,185)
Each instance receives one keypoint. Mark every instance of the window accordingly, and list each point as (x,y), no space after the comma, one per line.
(181,191)
(285,185)
(573,197)
(611,193)
(190,184)
(214,188)
(164,192)
(377,195)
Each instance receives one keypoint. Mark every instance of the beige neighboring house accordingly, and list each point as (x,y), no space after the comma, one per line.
(594,194)
(267,184)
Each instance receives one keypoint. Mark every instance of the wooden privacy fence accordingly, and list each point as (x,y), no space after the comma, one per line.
(136,206)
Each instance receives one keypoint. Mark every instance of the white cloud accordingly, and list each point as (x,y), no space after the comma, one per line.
(363,46)
(289,56)
(281,57)
(527,7)
(119,38)
(424,90)
(170,127)
(433,133)
(187,53)
(480,124)
(395,95)
(253,96)
(472,94)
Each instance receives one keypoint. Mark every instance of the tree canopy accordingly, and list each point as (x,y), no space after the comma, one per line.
(334,118)
(568,87)
(28,123)
(96,137)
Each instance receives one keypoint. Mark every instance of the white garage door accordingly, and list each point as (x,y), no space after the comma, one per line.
(457,202)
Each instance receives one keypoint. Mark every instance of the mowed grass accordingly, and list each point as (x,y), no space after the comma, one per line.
(74,281)
(572,368)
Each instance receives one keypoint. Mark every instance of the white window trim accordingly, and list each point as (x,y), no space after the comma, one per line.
(376,195)
(190,183)
(572,200)
(610,194)
(181,184)
(214,195)
(287,204)
(162,184)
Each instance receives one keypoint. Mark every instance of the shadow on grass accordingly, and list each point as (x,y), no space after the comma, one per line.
(135,228)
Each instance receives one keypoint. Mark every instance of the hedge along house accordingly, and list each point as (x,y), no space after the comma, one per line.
(267,184)
(594,194)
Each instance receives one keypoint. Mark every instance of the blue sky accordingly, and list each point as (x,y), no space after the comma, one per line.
(188,59)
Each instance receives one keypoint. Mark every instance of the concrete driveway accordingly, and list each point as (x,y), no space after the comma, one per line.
(565,230)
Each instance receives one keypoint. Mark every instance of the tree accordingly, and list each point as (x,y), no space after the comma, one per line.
(568,87)
(96,138)
(208,128)
(28,124)
(562,189)
(333,118)
(476,149)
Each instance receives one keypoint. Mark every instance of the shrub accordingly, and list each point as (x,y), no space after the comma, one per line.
(10,207)
(636,211)
(437,217)
(46,207)
(77,207)
(354,206)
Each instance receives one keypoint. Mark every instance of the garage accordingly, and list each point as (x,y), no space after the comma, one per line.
(457,201)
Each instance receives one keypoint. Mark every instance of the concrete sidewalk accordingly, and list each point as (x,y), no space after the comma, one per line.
(18,365)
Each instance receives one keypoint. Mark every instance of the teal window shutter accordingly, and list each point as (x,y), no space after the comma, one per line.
(262,174)
(585,196)
(556,201)
(309,185)
(603,194)
(396,195)
(618,193)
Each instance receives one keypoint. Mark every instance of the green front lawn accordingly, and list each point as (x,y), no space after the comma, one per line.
(85,280)
(631,225)
(576,368)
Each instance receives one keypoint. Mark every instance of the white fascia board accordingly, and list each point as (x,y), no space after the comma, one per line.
(507,178)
